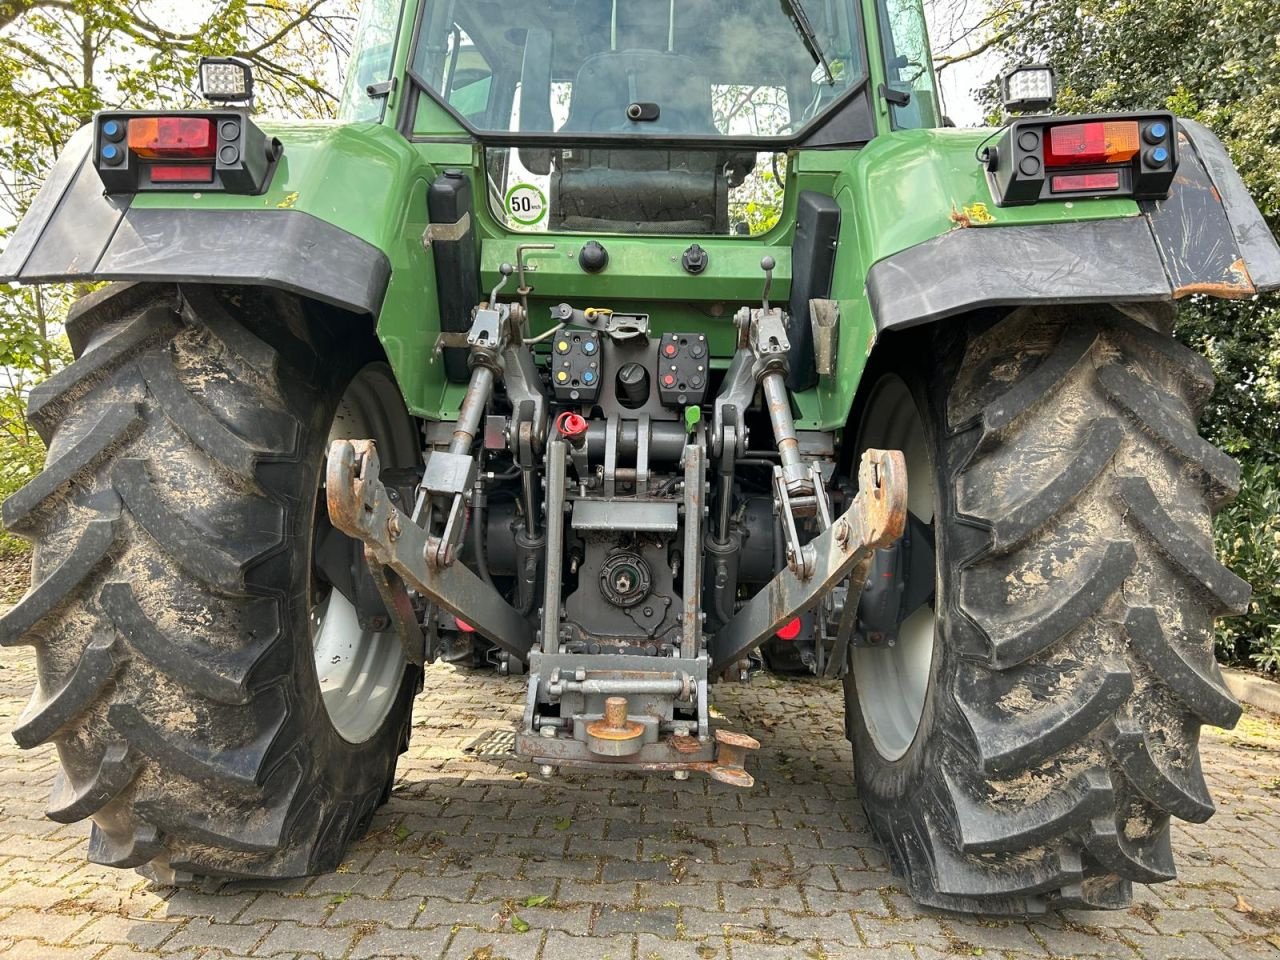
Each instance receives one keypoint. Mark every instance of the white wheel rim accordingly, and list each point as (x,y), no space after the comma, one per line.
(360,671)
(892,682)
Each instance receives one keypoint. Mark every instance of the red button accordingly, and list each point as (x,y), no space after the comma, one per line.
(668,381)
(670,349)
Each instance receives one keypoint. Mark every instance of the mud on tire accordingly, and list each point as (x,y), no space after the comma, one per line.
(169,610)
(1073,658)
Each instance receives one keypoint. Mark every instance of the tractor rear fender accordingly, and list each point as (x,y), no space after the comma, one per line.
(75,232)
(1207,238)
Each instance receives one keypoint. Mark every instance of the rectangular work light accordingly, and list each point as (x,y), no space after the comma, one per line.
(226,80)
(1047,158)
(1028,88)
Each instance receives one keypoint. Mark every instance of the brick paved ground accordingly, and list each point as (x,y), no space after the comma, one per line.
(483,860)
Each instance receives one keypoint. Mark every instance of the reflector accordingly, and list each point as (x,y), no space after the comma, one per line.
(790,630)
(173,138)
(182,173)
(1074,144)
(1073,182)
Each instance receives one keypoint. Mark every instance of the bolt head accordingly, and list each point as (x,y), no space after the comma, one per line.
(547,770)
(681,774)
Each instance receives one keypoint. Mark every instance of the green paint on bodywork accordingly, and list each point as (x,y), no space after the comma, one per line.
(901,190)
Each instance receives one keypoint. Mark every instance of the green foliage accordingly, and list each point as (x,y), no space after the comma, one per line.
(20,461)
(62,60)
(1216,61)
(1249,541)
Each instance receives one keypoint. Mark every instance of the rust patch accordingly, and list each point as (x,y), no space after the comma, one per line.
(1239,288)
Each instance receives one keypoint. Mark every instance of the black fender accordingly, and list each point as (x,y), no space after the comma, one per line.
(1206,237)
(76,232)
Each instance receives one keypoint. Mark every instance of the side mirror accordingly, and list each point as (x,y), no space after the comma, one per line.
(1028,88)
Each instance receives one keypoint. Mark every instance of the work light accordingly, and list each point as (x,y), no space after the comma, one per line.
(226,79)
(1027,88)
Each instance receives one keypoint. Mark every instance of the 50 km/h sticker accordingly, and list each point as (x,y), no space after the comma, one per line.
(526,204)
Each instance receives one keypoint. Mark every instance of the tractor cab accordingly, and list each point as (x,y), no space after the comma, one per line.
(644,116)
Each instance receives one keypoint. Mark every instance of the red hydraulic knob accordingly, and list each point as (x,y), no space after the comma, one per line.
(572,426)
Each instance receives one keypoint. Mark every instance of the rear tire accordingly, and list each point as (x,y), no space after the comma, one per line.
(173,583)
(1072,663)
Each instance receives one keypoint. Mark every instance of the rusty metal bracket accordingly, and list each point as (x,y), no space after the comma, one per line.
(360,507)
(396,599)
(728,763)
(875,519)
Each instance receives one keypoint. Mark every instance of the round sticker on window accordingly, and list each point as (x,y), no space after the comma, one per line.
(526,204)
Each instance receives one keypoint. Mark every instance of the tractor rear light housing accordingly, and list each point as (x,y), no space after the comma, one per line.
(216,150)
(1047,158)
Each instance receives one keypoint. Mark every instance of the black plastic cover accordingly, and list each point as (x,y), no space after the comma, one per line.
(246,157)
(813,262)
(1018,175)
(457,264)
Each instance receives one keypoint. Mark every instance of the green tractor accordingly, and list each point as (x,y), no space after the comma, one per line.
(626,345)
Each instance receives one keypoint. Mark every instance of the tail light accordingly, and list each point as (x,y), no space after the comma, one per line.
(1046,158)
(222,150)
(1076,144)
(173,138)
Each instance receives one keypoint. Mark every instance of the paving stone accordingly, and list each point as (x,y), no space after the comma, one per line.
(288,937)
(467,943)
(310,910)
(560,946)
(113,929)
(239,937)
(383,913)
(655,920)
(421,944)
(645,868)
(744,897)
(46,925)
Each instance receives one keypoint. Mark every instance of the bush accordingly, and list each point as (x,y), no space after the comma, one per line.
(20,461)
(1248,533)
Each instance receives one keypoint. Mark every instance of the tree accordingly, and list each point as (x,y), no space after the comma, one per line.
(63,60)
(1216,61)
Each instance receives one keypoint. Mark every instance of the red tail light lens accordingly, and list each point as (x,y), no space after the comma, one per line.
(1073,182)
(182,173)
(1076,144)
(173,138)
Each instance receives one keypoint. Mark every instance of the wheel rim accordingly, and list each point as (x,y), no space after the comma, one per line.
(359,670)
(893,681)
